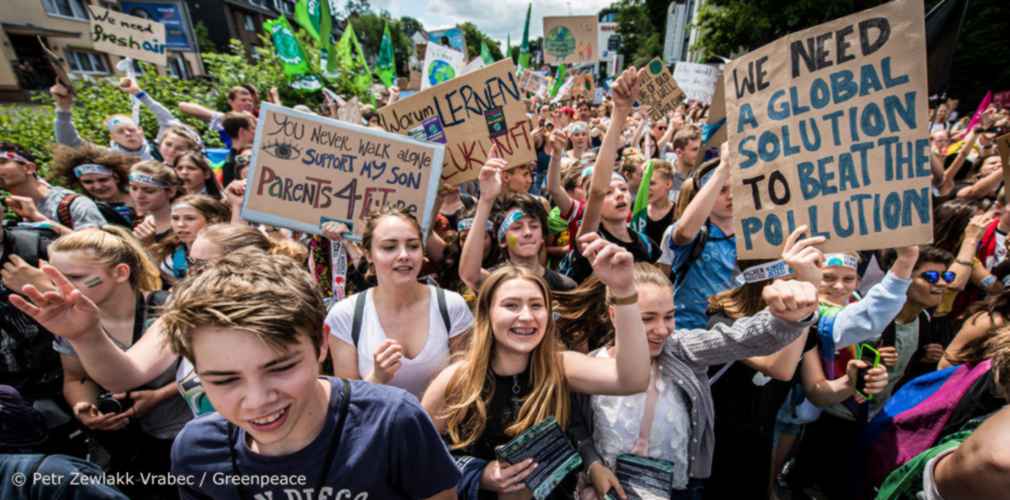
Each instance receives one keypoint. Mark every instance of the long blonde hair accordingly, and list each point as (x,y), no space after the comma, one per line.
(472,385)
(112,245)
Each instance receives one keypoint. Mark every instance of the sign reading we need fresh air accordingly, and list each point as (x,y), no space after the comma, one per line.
(828,127)
(128,36)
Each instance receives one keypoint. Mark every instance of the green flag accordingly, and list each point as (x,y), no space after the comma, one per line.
(308,15)
(640,210)
(327,59)
(290,53)
(485,53)
(352,61)
(524,49)
(385,65)
(559,79)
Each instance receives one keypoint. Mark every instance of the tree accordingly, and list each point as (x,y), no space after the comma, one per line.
(409,25)
(357,7)
(474,37)
(641,30)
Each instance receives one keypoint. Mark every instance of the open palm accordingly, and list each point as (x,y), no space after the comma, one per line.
(64,312)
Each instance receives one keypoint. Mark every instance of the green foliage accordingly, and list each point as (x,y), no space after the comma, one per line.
(203,41)
(641,30)
(474,37)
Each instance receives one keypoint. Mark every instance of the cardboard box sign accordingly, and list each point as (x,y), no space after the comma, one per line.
(128,36)
(572,40)
(828,127)
(307,170)
(659,90)
(456,113)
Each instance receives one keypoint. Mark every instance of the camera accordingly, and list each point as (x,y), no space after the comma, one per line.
(108,404)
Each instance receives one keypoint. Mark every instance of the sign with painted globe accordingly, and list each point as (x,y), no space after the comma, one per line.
(571,40)
(441,64)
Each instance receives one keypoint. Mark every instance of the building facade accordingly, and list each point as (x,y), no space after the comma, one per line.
(238,19)
(680,31)
(63,26)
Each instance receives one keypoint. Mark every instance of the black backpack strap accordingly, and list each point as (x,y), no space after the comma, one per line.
(359,316)
(443,309)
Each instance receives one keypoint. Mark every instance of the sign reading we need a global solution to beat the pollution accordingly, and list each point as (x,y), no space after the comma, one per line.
(828,127)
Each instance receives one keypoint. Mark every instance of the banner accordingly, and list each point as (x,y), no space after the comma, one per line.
(659,91)
(532,82)
(441,64)
(571,40)
(385,65)
(696,80)
(308,15)
(127,36)
(453,37)
(828,128)
(176,32)
(307,170)
(468,115)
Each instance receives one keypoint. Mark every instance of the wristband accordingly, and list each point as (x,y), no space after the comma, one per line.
(988,281)
(963,262)
(140,95)
(623,301)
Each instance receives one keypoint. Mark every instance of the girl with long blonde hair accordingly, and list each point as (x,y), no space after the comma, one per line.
(516,373)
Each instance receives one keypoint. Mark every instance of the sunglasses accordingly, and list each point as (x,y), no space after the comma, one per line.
(933,277)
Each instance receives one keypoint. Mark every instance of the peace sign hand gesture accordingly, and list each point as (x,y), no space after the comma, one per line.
(65,312)
(490,174)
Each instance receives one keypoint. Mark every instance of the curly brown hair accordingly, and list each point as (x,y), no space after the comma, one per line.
(66,158)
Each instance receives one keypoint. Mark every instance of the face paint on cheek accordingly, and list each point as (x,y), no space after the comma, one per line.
(512,241)
(93,281)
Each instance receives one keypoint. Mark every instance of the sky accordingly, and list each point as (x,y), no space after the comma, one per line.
(496,18)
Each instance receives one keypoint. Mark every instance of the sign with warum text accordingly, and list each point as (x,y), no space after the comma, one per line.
(828,127)
(307,170)
(468,114)
(128,36)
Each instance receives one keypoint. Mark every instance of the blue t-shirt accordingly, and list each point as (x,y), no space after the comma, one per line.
(712,272)
(388,449)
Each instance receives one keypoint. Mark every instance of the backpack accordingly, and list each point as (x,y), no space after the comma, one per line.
(112,216)
(359,313)
(697,247)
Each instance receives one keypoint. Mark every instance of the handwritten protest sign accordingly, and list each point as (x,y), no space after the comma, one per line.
(127,36)
(532,82)
(571,40)
(715,128)
(464,114)
(1003,143)
(659,91)
(441,64)
(828,127)
(696,80)
(307,170)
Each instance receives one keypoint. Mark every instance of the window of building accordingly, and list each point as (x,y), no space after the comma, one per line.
(249,24)
(178,68)
(66,8)
(87,62)
(286,7)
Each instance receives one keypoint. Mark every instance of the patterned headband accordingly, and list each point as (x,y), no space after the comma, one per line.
(511,217)
(116,121)
(11,155)
(467,223)
(762,272)
(91,168)
(841,260)
(148,180)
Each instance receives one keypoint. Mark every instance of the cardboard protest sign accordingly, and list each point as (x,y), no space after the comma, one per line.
(659,91)
(127,36)
(441,64)
(307,170)
(532,82)
(458,114)
(715,129)
(1003,143)
(828,128)
(696,80)
(571,40)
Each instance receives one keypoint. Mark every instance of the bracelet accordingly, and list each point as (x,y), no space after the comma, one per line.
(964,263)
(623,301)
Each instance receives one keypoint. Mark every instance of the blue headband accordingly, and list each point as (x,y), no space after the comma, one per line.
(513,216)
(467,223)
(91,168)
(762,272)
(148,180)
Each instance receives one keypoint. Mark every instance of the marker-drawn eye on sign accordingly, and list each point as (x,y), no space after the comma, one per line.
(282,150)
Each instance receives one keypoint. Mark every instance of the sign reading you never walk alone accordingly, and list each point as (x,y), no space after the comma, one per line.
(828,127)
(307,170)
(128,36)
(468,114)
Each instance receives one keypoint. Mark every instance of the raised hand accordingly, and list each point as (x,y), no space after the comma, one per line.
(334,231)
(17,273)
(803,256)
(791,300)
(25,208)
(62,97)
(490,174)
(626,90)
(612,264)
(146,230)
(64,312)
(129,85)
(558,142)
(874,381)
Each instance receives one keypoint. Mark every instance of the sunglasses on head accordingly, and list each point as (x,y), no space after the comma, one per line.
(932,277)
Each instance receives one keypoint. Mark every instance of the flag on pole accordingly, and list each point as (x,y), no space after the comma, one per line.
(524,49)
(327,58)
(288,50)
(640,210)
(485,53)
(508,45)
(559,79)
(308,15)
(385,65)
(352,61)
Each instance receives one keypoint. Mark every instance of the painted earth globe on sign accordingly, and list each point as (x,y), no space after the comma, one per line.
(560,42)
(440,71)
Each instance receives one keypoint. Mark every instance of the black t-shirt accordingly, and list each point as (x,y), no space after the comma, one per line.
(642,248)
(654,229)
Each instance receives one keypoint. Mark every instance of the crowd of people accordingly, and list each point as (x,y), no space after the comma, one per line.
(148,331)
